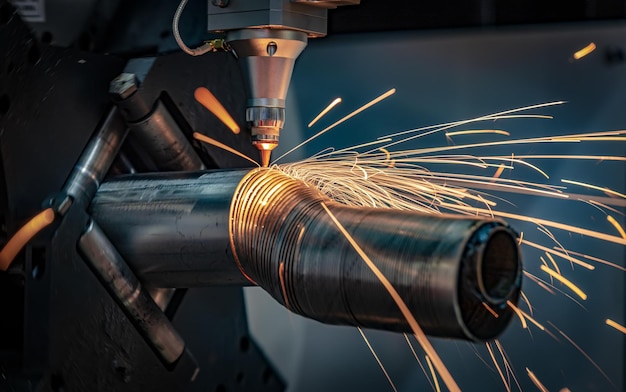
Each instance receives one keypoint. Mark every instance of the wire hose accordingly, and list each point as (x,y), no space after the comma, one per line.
(456,274)
(207,47)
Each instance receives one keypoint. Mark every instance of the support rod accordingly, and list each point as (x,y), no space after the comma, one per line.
(124,286)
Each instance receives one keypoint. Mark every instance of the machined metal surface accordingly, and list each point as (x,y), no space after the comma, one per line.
(96,159)
(266,58)
(172,228)
(277,14)
(126,288)
(174,231)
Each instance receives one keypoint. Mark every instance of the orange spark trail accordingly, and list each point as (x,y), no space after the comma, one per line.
(565,281)
(432,371)
(490,310)
(525,298)
(213,142)
(333,125)
(519,314)
(560,254)
(523,315)
(23,235)
(493,358)
(406,337)
(498,172)
(477,131)
(536,381)
(208,100)
(617,226)
(583,353)
(584,51)
(377,359)
(615,325)
(324,112)
(598,188)
(598,260)
(417,330)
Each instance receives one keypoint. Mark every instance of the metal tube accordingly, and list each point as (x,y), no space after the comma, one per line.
(154,127)
(454,273)
(96,159)
(120,281)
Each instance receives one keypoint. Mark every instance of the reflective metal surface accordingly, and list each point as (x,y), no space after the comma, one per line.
(96,159)
(447,269)
(172,228)
(126,288)
(174,231)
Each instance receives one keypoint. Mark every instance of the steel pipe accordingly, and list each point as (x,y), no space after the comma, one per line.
(456,274)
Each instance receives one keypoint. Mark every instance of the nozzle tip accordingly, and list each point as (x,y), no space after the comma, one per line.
(265,157)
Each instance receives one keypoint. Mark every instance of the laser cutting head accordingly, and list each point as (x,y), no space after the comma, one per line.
(267,58)
(267,37)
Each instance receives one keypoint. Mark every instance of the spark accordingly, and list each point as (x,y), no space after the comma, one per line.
(333,125)
(560,254)
(498,172)
(615,325)
(493,358)
(598,188)
(556,266)
(519,314)
(507,363)
(432,371)
(324,112)
(377,359)
(524,315)
(536,381)
(406,337)
(23,236)
(584,51)
(598,260)
(281,277)
(490,310)
(209,101)
(477,132)
(565,281)
(582,352)
(417,330)
(525,298)
(213,142)
(617,226)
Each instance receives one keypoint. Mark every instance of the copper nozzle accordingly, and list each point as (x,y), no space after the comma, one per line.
(265,157)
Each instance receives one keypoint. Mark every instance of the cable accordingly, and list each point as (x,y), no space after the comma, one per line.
(207,47)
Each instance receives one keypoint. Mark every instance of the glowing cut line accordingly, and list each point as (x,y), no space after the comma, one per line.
(417,330)
(377,359)
(324,112)
(566,282)
(617,226)
(23,235)
(584,51)
(213,142)
(615,325)
(333,125)
(208,100)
